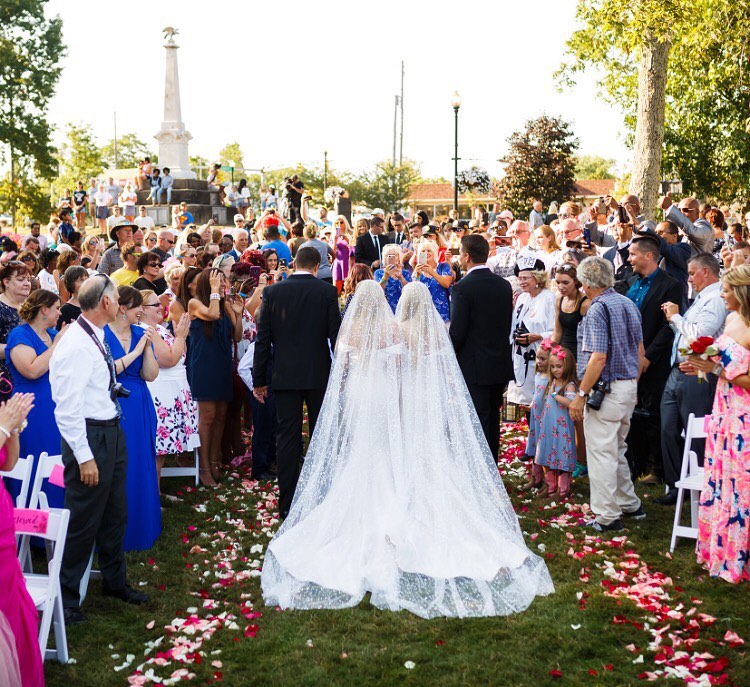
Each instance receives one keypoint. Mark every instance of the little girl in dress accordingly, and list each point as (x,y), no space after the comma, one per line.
(541,379)
(555,433)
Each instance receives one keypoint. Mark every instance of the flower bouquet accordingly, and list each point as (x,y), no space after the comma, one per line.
(704,348)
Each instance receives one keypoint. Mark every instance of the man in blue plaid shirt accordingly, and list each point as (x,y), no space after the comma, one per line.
(610,348)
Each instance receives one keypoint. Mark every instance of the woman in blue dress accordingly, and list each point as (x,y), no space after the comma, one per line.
(437,277)
(135,365)
(28,352)
(393,277)
(215,325)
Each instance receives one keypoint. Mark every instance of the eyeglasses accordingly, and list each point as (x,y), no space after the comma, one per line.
(151,238)
(568,232)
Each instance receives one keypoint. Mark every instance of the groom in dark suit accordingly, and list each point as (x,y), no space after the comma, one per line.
(481,314)
(299,319)
(369,246)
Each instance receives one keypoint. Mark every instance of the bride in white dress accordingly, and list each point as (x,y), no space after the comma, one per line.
(399,495)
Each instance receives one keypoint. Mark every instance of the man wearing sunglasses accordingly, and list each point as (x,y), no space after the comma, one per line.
(164,245)
(686,216)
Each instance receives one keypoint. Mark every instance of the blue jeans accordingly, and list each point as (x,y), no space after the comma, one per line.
(155,194)
(169,194)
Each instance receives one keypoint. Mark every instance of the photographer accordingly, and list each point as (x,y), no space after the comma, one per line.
(610,358)
(294,188)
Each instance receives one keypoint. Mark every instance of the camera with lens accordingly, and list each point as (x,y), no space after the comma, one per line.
(117,390)
(596,397)
(520,330)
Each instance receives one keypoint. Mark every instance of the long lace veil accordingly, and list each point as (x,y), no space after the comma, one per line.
(461,549)
(358,430)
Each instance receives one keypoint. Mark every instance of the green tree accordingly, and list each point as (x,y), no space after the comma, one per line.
(231,156)
(540,165)
(682,85)
(594,167)
(130,151)
(30,198)
(31,48)
(80,157)
(386,186)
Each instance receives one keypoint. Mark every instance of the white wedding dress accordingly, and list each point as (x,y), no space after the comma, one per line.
(399,495)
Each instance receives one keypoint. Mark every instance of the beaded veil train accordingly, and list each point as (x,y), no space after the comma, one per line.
(399,495)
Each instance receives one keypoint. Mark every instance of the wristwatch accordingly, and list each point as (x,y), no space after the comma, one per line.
(582,393)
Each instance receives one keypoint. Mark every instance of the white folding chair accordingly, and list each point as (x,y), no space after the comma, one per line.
(691,480)
(38,499)
(45,589)
(192,471)
(21,472)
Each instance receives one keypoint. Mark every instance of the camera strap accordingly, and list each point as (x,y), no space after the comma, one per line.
(609,339)
(103,349)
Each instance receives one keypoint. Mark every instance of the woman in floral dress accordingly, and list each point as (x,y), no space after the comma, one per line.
(723,546)
(176,412)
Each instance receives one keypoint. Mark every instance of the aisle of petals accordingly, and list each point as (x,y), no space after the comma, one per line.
(224,549)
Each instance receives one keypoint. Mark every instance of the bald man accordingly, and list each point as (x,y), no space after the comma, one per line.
(632,206)
(699,232)
(536,218)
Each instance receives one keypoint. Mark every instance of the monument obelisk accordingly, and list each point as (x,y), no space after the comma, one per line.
(173,137)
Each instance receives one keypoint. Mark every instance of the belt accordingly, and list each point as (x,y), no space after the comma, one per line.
(103,423)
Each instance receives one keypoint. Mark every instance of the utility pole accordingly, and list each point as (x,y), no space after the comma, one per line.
(325,170)
(395,121)
(401,145)
(116,165)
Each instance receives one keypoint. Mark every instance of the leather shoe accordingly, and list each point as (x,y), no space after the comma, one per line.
(73,616)
(669,499)
(126,594)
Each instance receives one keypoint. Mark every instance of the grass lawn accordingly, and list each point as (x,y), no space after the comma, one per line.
(206,621)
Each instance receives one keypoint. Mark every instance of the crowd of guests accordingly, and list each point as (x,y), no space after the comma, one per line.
(605,305)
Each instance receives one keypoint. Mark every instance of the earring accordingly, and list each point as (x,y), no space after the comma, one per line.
(124,317)
(44,317)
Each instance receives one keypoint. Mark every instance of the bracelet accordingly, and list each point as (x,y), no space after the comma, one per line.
(21,427)
(215,297)
(5,431)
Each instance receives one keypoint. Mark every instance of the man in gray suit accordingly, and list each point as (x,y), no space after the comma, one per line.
(699,232)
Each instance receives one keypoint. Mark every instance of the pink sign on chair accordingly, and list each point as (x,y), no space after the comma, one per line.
(31,521)
(56,476)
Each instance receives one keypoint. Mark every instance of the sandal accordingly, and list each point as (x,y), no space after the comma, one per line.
(542,491)
(531,484)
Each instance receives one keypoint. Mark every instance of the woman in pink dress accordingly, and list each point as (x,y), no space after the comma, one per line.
(723,546)
(15,603)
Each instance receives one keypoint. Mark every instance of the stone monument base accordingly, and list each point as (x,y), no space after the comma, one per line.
(202,204)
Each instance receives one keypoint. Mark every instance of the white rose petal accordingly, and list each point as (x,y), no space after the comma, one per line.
(410,665)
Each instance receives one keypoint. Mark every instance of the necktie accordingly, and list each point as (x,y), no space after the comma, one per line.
(113,373)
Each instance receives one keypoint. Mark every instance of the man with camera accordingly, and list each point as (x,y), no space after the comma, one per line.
(294,190)
(87,411)
(610,358)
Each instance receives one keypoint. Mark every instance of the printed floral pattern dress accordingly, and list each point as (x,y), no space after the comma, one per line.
(555,447)
(724,509)
(535,413)
(176,411)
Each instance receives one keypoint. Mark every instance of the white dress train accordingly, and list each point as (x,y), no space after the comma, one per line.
(399,495)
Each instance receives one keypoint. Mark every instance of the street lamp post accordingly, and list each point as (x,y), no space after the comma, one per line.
(456,103)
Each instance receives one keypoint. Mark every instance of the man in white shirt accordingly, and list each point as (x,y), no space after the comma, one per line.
(35,230)
(143,220)
(536,219)
(102,200)
(115,218)
(684,394)
(87,412)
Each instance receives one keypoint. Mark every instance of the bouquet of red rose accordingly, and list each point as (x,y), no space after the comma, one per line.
(704,348)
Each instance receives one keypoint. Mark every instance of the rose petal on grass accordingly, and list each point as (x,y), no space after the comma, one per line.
(410,665)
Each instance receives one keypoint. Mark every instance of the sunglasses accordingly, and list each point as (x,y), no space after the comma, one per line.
(154,264)
(170,242)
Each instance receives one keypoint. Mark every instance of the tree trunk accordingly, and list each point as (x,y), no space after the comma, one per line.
(649,128)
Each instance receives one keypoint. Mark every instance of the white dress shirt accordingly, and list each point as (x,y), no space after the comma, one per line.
(477,267)
(79,378)
(705,317)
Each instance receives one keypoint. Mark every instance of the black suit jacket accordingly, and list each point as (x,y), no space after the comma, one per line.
(481,315)
(658,336)
(393,237)
(299,317)
(365,250)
